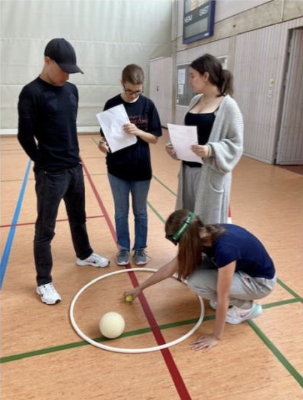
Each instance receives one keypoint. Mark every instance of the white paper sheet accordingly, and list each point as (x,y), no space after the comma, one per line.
(111,122)
(181,76)
(182,138)
(180,89)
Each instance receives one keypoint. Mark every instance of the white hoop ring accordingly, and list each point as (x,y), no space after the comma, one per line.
(118,349)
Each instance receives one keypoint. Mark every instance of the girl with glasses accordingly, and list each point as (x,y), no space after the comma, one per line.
(129,169)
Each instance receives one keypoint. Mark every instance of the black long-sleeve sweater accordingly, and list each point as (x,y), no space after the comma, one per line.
(47,125)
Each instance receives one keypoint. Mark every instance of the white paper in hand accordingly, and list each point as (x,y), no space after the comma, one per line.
(182,138)
(111,122)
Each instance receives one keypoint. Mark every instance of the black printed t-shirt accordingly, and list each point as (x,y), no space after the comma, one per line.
(133,163)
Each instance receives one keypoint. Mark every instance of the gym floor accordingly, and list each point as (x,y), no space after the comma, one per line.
(43,357)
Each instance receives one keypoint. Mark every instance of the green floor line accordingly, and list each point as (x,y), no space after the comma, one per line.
(156,212)
(125,334)
(100,339)
(295,374)
(289,290)
(166,187)
(281,303)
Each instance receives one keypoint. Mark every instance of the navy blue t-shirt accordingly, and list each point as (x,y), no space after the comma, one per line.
(133,163)
(237,244)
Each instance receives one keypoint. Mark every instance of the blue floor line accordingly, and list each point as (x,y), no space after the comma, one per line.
(11,234)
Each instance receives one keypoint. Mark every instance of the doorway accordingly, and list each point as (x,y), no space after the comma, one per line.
(161,87)
(290,142)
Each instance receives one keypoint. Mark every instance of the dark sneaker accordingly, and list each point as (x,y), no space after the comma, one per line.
(122,258)
(140,257)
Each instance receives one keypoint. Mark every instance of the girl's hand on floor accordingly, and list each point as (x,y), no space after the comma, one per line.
(205,342)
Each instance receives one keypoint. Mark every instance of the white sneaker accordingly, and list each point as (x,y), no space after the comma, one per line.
(213,304)
(237,315)
(95,260)
(48,294)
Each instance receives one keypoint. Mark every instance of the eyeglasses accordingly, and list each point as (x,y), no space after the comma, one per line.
(175,238)
(131,92)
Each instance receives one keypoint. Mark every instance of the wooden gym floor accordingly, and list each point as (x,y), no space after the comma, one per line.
(43,357)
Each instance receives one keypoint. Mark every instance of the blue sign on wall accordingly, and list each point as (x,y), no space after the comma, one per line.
(198,21)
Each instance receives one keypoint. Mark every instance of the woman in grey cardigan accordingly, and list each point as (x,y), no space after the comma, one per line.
(206,190)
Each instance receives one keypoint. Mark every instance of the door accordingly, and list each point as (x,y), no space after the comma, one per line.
(290,143)
(161,87)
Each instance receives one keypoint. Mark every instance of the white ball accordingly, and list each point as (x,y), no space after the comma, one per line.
(112,325)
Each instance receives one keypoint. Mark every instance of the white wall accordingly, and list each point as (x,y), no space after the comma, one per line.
(106,34)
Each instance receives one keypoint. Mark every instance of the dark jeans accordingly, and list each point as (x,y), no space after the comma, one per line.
(51,188)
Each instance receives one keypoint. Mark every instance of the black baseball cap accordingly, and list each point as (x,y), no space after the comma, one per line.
(63,53)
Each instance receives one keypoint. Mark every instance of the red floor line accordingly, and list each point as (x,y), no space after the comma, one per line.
(33,223)
(103,209)
(166,354)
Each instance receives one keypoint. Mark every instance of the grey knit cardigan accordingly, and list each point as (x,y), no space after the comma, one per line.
(226,141)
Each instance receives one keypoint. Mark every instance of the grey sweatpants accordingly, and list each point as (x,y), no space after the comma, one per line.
(244,288)
(191,179)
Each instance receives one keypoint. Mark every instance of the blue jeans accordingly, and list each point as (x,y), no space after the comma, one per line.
(51,188)
(139,191)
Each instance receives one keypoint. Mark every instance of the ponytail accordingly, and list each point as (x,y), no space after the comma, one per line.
(227,80)
(190,249)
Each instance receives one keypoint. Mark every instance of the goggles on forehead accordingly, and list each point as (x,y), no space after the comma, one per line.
(176,236)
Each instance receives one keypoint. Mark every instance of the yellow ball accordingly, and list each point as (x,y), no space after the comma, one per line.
(112,325)
(129,298)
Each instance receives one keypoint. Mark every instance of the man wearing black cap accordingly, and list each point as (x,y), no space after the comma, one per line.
(47,132)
